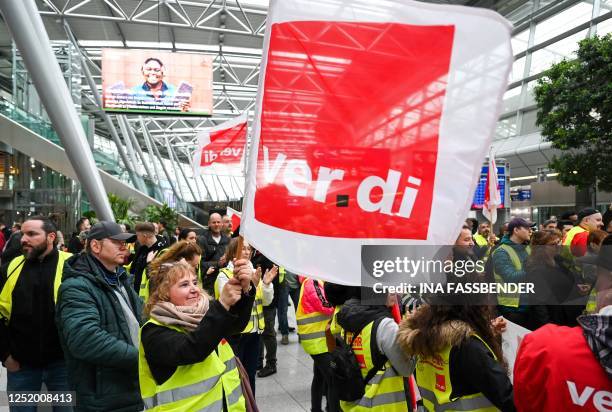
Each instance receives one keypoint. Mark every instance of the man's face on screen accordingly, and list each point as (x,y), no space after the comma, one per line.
(153,72)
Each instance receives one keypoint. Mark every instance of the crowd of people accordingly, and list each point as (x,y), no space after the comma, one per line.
(183,319)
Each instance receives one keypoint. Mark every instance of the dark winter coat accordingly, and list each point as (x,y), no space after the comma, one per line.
(101,359)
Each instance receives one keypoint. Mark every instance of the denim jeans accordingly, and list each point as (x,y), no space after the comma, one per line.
(54,376)
(283,304)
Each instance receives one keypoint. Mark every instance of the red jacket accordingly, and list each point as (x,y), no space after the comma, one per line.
(555,370)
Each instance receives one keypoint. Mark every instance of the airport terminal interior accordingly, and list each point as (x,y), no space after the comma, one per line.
(143,155)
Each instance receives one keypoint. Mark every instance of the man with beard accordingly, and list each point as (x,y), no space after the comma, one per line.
(30,349)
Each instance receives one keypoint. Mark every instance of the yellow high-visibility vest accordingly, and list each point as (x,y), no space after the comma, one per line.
(197,387)
(480,240)
(385,391)
(281,274)
(311,326)
(433,379)
(591,306)
(14,271)
(508,299)
(335,327)
(256,322)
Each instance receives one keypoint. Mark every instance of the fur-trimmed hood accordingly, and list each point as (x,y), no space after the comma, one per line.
(451,333)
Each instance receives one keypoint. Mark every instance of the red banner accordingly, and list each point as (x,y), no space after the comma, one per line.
(341,143)
(221,148)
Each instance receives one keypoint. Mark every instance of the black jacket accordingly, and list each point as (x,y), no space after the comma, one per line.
(259,260)
(166,349)
(31,337)
(12,248)
(74,244)
(554,287)
(139,263)
(354,316)
(212,252)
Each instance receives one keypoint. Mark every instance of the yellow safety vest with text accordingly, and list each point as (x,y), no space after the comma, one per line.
(508,299)
(256,322)
(197,387)
(14,271)
(433,379)
(311,326)
(385,392)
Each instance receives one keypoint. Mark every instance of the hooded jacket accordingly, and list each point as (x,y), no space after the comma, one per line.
(566,369)
(101,359)
(473,369)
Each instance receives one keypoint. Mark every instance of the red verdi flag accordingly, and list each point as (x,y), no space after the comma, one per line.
(371,127)
(221,148)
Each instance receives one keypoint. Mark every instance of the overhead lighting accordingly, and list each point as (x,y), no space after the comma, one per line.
(148,44)
(101,43)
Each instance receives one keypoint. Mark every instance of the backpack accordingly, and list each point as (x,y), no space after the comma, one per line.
(345,373)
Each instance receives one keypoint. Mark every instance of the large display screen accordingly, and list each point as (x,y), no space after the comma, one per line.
(479,195)
(152,81)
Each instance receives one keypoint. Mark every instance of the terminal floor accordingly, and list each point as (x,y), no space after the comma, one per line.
(288,390)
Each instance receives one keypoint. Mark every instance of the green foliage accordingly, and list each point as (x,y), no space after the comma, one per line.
(154,213)
(574,107)
(91,215)
(121,208)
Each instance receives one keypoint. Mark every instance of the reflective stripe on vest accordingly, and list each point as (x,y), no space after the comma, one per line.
(14,271)
(199,386)
(508,299)
(311,326)
(433,379)
(386,390)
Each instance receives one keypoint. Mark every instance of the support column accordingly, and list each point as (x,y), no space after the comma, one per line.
(135,143)
(222,188)
(175,158)
(28,31)
(152,145)
(176,176)
(124,126)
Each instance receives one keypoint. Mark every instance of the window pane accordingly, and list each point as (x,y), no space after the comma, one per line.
(519,42)
(505,128)
(528,125)
(530,99)
(517,70)
(565,48)
(511,100)
(604,27)
(561,22)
